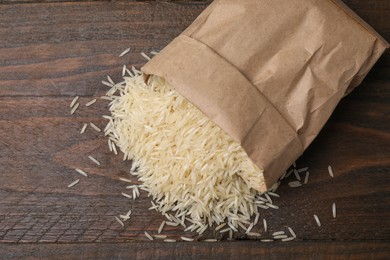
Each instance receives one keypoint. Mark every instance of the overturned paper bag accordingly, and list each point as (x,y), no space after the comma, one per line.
(270,72)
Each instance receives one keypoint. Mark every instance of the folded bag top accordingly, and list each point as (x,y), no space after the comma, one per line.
(270,72)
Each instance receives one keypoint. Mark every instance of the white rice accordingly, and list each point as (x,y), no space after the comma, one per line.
(154,52)
(145,56)
(268,198)
(230,234)
(126,195)
(225,230)
(249,229)
(74,108)
(267,240)
(95,127)
(110,80)
(294,184)
(303,169)
(124,52)
(280,236)
(292,232)
(161,227)
(108,84)
(272,206)
(188,239)
(265,224)
(82,131)
(160,236)
(289,173)
(113,147)
(82,172)
(125,180)
(124,70)
(330,171)
(173,224)
(273,194)
(220,226)
(144,129)
(253,234)
(94,160)
(73,183)
(73,101)
(169,240)
(317,220)
(210,240)
(307,177)
(256,219)
(148,236)
(119,221)
(124,217)
(288,239)
(90,103)
(297,175)
(334,213)
(278,233)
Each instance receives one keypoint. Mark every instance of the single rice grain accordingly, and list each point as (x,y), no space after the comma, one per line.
(148,236)
(330,171)
(317,220)
(90,103)
(94,160)
(82,131)
(73,183)
(82,172)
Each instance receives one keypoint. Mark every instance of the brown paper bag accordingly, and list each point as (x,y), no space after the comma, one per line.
(270,72)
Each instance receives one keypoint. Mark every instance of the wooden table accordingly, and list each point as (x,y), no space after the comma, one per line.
(51,51)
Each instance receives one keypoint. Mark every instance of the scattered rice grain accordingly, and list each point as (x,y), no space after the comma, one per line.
(317,220)
(82,172)
(95,127)
(288,239)
(169,240)
(267,240)
(211,240)
(330,170)
(294,184)
(73,183)
(280,237)
(148,236)
(82,131)
(119,221)
(145,56)
(126,195)
(90,103)
(160,236)
(124,52)
(161,227)
(94,160)
(188,239)
(334,210)
(292,232)
(265,224)
(74,108)
(125,180)
(307,178)
(73,101)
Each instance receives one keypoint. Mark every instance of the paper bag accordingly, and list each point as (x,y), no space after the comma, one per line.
(270,72)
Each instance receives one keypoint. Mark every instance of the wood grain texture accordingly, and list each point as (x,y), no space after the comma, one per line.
(51,52)
(225,250)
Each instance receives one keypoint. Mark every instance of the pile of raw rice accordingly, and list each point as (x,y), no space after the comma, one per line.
(197,174)
(184,160)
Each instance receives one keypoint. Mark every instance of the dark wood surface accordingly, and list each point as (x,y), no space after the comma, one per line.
(50,52)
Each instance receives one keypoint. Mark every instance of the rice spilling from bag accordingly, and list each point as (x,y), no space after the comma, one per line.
(186,162)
